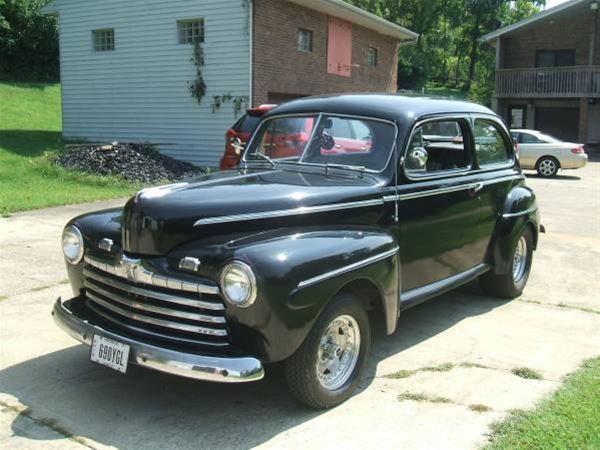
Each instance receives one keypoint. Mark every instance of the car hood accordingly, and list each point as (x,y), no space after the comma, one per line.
(157,220)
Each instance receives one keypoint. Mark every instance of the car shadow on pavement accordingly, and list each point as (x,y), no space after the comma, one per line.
(147,409)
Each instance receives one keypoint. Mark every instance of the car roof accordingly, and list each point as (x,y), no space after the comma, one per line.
(397,108)
(525,130)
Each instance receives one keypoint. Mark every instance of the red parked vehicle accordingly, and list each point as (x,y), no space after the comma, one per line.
(239,134)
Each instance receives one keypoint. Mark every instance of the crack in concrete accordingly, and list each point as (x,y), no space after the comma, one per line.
(447,367)
(423,397)
(34,289)
(51,424)
(559,305)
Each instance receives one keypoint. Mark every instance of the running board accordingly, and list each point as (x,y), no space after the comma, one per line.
(413,297)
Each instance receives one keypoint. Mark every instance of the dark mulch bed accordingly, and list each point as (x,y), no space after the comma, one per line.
(134,162)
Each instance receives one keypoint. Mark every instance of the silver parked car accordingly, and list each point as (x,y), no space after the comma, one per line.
(546,154)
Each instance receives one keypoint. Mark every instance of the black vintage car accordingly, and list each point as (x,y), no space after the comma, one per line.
(343,206)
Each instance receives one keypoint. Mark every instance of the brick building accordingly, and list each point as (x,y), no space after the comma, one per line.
(548,72)
(126,69)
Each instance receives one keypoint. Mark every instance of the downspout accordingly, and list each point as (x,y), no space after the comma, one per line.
(251,44)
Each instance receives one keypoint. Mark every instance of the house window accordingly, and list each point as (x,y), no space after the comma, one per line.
(373,57)
(104,40)
(190,31)
(554,58)
(305,41)
(518,117)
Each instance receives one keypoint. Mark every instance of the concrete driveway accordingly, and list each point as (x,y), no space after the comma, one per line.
(460,349)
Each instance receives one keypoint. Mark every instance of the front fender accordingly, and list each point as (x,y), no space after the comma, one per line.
(298,273)
(519,211)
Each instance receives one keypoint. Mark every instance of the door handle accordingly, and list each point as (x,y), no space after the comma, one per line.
(476,188)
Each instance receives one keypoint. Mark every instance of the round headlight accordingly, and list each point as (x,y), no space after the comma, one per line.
(72,244)
(238,284)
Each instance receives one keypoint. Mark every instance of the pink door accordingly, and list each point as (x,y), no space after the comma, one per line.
(339,48)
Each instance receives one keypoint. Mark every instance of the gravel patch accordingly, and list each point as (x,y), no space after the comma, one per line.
(133,162)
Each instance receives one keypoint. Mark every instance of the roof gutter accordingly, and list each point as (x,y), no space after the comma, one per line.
(531,19)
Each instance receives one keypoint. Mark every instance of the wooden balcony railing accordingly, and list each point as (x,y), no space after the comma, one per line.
(551,82)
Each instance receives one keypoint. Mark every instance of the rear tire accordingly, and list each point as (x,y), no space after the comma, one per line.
(511,284)
(322,374)
(547,167)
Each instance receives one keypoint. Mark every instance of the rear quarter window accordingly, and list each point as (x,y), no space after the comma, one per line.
(491,147)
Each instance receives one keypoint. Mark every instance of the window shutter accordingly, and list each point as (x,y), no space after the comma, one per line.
(339,48)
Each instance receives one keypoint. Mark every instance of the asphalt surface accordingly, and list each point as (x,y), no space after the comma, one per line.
(51,396)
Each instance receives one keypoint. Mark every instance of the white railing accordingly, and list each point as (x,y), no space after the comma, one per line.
(549,82)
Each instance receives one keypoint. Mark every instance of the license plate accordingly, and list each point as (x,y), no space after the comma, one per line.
(109,353)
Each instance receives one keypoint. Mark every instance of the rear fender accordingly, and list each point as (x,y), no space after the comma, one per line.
(520,210)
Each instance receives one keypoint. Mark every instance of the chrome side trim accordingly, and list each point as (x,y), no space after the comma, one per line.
(288,212)
(199,367)
(450,189)
(154,321)
(153,294)
(97,289)
(520,213)
(348,268)
(135,271)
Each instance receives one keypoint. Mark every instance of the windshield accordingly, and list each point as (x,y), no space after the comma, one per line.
(325,140)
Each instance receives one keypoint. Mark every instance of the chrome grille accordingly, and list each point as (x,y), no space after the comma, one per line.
(160,312)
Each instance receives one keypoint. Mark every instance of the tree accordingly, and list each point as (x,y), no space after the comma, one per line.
(449,50)
(28,42)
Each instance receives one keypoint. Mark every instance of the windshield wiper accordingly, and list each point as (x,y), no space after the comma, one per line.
(344,166)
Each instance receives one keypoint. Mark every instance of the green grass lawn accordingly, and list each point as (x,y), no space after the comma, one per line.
(30,135)
(570,419)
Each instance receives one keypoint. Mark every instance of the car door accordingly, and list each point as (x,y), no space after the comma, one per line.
(496,172)
(438,207)
(530,150)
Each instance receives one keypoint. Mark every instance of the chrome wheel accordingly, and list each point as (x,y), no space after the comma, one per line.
(338,352)
(547,167)
(520,260)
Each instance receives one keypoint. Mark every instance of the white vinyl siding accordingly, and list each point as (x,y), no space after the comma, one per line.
(140,91)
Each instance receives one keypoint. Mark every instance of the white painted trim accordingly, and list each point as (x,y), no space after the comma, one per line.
(534,18)
(251,48)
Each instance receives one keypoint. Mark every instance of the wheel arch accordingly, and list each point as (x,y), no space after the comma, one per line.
(547,156)
(519,211)
(372,298)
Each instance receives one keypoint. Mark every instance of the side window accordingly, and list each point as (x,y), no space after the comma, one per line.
(490,146)
(529,139)
(437,146)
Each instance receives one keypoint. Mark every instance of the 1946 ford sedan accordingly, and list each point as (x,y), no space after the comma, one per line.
(343,206)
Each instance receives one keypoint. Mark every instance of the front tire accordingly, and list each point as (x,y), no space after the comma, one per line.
(511,284)
(547,167)
(325,370)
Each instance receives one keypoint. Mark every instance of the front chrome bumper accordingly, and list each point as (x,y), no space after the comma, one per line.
(207,368)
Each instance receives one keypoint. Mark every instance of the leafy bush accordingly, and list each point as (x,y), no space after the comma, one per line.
(28,42)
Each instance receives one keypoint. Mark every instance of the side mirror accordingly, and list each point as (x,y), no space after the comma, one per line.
(417,159)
